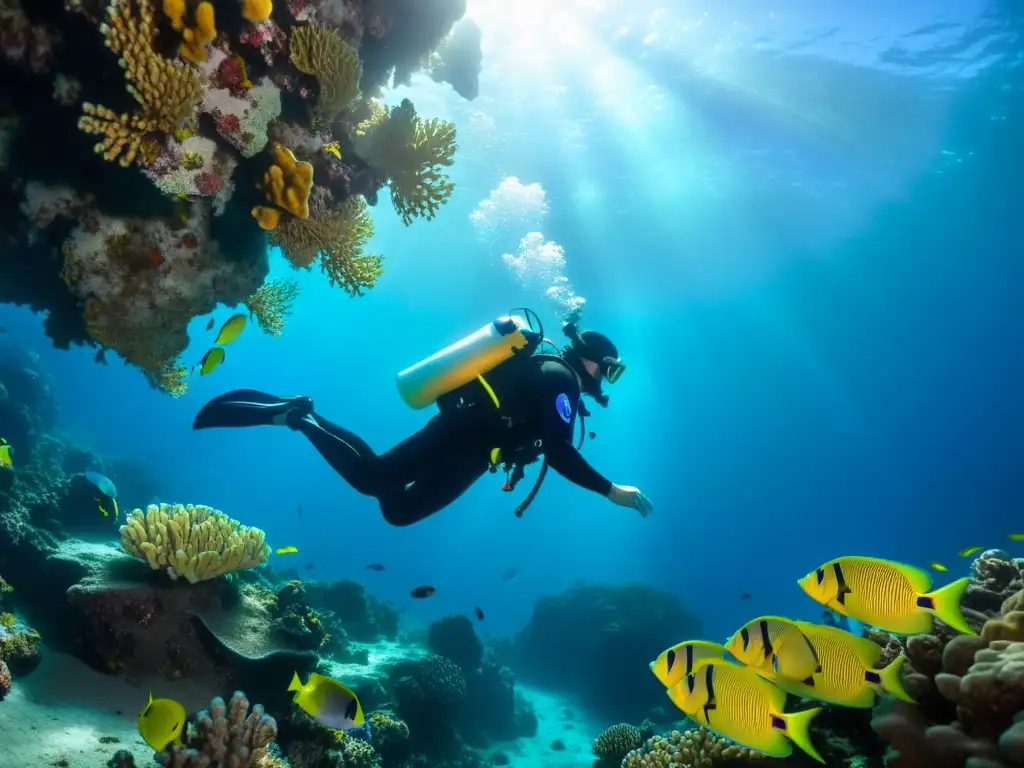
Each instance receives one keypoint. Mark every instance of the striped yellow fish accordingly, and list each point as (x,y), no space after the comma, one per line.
(885,594)
(738,704)
(848,675)
(776,643)
(675,663)
(5,454)
(289,550)
(968,551)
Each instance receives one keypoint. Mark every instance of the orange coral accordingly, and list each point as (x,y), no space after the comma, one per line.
(257,10)
(197,32)
(287,184)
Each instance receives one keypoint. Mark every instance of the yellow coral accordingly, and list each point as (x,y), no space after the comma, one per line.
(168,91)
(192,542)
(1007,627)
(197,32)
(321,52)
(411,152)
(286,184)
(336,237)
(257,10)
(272,303)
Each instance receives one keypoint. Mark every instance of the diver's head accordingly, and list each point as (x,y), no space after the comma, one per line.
(595,358)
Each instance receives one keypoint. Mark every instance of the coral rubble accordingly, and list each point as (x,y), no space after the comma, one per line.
(189,130)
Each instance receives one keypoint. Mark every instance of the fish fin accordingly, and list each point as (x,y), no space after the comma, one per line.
(116,510)
(798,730)
(920,580)
(945,603)
(892,679)
(296,684)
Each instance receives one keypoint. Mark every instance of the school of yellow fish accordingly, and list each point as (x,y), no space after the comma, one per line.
(744,700)
(230,331)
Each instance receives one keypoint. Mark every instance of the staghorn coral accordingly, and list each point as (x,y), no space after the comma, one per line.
(320,51)
(272,303)
(198,28)
(226,735)
(411,152)
(616,742)
(286,184)
(168,91)
(690,749)
(192,542)
(336,237)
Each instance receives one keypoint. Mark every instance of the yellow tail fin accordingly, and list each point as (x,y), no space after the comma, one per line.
(296,684)
(892,681)
(798,730)
(946,605)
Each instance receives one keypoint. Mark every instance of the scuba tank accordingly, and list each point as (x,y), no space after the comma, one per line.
(468,358)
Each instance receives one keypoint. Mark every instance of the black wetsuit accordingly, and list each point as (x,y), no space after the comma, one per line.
(426,472)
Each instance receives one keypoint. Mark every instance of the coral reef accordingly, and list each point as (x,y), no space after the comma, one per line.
(5,679)
(969,690)
(192,542)
(227,734)
(187,132)
(615,742)
(613,628)
(691,748)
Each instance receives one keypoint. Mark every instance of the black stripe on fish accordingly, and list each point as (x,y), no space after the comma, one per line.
(691,682)
(778,723)
(843,590)
(873,677)
(670,660)
(350,710)
(711,703)
(745,637)
(810,680)
(689,659)
(174,727)
(925,602)
(766,641)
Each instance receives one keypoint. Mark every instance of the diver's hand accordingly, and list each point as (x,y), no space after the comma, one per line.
(628,496)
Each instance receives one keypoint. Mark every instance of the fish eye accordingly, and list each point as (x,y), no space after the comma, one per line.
(820,575)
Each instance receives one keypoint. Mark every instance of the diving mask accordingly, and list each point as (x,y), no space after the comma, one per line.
(612,368)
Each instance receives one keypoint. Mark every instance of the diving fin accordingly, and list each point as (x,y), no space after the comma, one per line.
(249,408)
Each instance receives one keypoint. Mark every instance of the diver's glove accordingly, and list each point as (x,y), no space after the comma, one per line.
(629,496)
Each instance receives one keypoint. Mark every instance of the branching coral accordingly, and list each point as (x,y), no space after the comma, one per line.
(227,734)
(168,91)
(272,303)
(286,184)
(321,52)
(616,742)
(171,378)
(411,152)
(336,236)
(192,542)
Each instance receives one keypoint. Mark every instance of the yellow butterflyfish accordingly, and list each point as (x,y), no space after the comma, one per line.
(675,663)
(776,643)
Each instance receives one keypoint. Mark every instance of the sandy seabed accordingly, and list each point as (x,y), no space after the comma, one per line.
(65,711)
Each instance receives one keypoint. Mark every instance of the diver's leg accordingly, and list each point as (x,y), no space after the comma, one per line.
(347,453)
(440,485)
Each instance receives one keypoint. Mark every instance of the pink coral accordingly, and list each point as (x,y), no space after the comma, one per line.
(231,74)
(5,679)
(227,123)
(208,184)
(267,38)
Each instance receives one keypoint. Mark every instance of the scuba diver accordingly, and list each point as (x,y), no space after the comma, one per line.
(502,403)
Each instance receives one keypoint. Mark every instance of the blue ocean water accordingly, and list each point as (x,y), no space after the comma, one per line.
(799,225)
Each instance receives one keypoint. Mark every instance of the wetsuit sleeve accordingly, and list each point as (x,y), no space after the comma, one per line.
(563,457)
(557,400)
